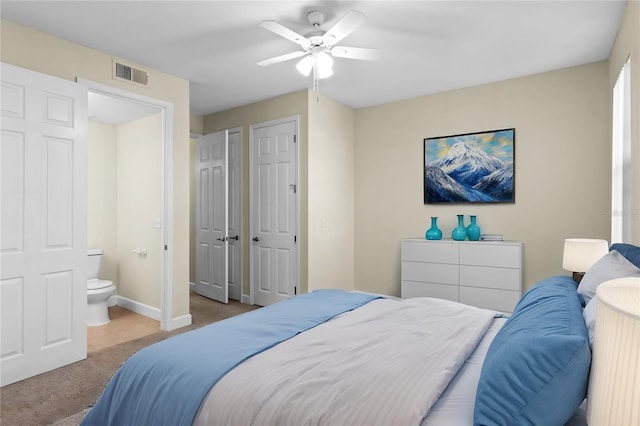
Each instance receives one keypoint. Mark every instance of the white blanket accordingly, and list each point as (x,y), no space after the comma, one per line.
(384,363)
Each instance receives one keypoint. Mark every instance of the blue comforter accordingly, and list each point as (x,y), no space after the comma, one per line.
(165,383)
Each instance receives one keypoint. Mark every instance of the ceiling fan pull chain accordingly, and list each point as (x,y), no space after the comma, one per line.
(316,81)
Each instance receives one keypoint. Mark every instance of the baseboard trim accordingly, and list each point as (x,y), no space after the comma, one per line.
(246,299)
(153,313)
(139,308)
(179,322)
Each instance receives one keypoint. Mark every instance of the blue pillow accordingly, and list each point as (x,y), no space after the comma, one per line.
(631,252)
(537,367)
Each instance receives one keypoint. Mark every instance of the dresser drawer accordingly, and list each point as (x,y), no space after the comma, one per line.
(488,298)
(488,254)
(490,277)
(439,273)
(487,274)
(433,252)
(420,289)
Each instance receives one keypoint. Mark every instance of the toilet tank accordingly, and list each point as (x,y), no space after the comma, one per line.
(94,258)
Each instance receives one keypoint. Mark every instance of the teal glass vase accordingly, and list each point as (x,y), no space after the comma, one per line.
(433,233)
(473,230)
(459,233)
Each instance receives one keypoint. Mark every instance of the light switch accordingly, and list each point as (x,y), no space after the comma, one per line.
(157,223)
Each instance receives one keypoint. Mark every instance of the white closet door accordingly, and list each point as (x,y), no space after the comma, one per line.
(274,251)
(212,217)
(234,230)
(43,229)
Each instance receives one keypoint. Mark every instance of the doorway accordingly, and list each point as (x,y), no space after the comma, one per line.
(149,252)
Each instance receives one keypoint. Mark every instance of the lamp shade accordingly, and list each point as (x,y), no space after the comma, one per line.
(581,253)
(321,61)
(324,63)
(305,65)
(614,381)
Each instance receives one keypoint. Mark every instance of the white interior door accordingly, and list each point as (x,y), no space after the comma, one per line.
(274,255)
(234,209)
(211,216)
(43,235)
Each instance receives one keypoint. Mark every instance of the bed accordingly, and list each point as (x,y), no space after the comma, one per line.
(339,357)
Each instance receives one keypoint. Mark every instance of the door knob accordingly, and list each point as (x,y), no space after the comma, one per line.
(256,239)
(220,239)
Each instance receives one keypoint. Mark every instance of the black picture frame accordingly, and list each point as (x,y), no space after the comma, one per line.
(474,167)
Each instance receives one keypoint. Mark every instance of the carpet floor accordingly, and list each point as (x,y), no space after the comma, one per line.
(63,396)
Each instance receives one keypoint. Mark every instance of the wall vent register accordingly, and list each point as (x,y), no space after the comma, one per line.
(130,74)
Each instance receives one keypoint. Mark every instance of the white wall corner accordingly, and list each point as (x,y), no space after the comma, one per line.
(179,322)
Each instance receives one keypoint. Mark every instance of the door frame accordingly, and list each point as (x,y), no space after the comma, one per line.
(296,119)
(166,196)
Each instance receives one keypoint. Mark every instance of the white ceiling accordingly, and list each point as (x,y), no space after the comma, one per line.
(116,111)
(427,46)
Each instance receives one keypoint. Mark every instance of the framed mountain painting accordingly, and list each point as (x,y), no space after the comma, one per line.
(470,168)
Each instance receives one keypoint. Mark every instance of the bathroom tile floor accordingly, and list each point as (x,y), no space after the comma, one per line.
(124,326)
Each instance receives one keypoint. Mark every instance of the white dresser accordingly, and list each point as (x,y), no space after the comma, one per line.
(486,274)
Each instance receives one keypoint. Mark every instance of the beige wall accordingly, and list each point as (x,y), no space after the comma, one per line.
(123,199)
(196,124)
(628,43)
(293,104)
(331,194)
(561,169)
(139,203)
(35,50)
(102,196)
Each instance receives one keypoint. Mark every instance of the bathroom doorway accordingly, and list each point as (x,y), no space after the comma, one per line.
(130,159)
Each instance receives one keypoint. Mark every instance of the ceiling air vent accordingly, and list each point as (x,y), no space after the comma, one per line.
(133,75)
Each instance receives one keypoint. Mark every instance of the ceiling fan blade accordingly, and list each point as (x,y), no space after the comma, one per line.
(285,32)
(345,26)
(281,58)
(355,53)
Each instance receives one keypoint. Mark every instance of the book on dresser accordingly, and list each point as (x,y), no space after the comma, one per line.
(486,274)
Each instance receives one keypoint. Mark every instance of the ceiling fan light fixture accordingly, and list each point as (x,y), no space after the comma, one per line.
(324,72)
(305,65)
(324,64)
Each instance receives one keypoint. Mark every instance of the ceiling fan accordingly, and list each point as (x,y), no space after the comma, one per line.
(318,46)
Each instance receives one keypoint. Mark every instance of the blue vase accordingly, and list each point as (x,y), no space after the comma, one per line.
(433,233)
(459,232)
(473,230)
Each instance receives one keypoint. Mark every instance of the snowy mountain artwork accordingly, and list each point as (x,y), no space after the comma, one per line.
(470,168)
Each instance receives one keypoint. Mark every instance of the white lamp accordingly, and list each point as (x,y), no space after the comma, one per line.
(614,381)
(581,253)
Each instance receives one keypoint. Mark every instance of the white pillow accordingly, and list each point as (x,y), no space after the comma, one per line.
(611,266)
(589,314)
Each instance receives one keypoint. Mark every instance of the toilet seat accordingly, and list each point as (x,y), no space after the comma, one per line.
(97,284)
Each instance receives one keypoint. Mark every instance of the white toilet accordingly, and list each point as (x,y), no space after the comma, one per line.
(98,291)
